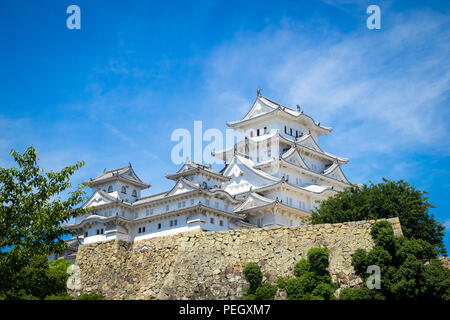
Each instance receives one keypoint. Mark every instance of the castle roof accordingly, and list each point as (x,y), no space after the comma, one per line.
(125,174)
(264,108)
(305,143)
(191,168)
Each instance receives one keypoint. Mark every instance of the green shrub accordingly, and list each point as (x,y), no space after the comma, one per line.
(312,281)
(301,267)
(404,271)
(253,275)
(58,297)
(257,290)
(266,292)
(362,293)
(318,260)
(90,296)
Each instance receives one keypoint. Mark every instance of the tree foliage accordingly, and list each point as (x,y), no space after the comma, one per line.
(31,217)
(90,296)
(257,290)
(312,281)
(387,199)
(408,269)
(39,279)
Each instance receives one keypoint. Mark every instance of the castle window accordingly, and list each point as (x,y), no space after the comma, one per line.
(134,194)
(167,207)
(221,223)
(296,133)
(86,234)
(265,130)
(257,132)
(159,225)
(291,131)
(143,229)
(139,231)
(285,129)
(110,189)
(251,134)
(171,223)
(123,190)
(175,222)
(211,220)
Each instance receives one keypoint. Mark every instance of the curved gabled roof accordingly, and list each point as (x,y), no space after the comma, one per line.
(274,108)
(311,188)
(125,174)
(192,168)
(255,198)
(193,188)
(276,134)
(336,169)
(248,164)
(292,153)
(102,194)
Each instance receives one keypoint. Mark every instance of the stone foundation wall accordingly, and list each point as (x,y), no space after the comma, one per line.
(208,265)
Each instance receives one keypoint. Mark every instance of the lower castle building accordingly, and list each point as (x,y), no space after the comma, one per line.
(275,176)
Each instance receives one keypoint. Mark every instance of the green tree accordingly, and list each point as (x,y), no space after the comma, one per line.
(312,281)
(253,275)
(387,199)
(257,290)
(31,217)
(39,278)
(408,270)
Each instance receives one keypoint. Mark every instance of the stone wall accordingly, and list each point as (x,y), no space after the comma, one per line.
(208,265)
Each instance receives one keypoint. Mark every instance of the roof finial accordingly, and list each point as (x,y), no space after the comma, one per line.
(298,108)
(235,149)
(188,159)
(129,164)
(104,170)
(258,92)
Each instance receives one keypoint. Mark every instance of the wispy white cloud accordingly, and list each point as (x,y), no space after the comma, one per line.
(384,91)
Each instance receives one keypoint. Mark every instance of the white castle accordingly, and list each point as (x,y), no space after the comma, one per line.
(273,177)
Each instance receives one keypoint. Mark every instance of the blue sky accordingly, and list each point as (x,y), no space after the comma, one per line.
(113,92)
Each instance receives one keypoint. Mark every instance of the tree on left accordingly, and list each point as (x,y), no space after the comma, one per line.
(34,205)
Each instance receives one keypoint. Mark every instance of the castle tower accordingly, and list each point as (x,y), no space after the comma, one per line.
(278,170)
